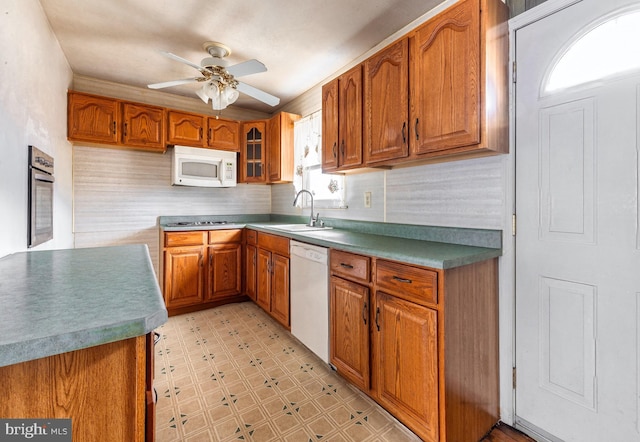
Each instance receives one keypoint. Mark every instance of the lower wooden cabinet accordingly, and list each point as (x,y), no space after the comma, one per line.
(421,342)
(224,275)
(102,389)
(201,269)
(349,331)
(406,349)
(267,274)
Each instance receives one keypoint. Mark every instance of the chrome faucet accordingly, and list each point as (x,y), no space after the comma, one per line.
(312,220)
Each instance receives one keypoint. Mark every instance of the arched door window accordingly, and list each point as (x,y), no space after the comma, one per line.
(606,49)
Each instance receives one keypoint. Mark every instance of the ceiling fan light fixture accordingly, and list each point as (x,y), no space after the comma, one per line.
(231,94)
(222,95)
(202,93)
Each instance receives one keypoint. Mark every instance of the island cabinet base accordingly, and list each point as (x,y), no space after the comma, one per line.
(102,389)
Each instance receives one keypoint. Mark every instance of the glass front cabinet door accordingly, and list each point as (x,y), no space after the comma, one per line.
(254,152)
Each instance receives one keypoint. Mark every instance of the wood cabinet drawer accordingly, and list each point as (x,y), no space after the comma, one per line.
(225,236)
(350,266)
(252,237)
(407,282)
(176,239)
(274,243)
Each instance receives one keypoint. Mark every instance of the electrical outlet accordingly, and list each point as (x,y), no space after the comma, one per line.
(367,199)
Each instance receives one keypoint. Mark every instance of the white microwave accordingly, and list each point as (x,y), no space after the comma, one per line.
(193,166)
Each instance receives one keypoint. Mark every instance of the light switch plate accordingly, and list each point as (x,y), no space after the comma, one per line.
(367,199)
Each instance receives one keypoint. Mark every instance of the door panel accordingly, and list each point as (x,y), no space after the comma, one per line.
(577,260)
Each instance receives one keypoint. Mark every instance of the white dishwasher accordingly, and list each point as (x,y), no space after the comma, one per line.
(310,297)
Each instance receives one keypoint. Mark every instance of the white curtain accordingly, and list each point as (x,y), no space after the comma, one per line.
(328,190)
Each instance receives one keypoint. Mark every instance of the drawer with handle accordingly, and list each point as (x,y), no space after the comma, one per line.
(408,282)
(178,239)
(350,266)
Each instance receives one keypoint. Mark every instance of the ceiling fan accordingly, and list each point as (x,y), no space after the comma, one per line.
(220,84)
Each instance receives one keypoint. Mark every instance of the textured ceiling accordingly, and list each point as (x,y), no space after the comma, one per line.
(302,42)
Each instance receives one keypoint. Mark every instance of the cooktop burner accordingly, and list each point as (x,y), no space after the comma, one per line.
(197,223)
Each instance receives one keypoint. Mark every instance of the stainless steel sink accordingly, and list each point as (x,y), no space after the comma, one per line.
(297,227)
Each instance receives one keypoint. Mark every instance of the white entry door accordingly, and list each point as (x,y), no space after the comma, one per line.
(577,242)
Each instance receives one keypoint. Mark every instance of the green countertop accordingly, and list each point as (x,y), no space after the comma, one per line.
(438,255)
(56,301)
(430,246)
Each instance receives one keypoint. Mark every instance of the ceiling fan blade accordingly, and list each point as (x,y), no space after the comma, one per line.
(258,94)
(173,83)
(183,60)
(246,68)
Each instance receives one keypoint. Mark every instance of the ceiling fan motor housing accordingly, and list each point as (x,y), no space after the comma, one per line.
(217,52)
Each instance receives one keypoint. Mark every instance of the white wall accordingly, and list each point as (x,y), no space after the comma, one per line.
(119,195)
(34,77)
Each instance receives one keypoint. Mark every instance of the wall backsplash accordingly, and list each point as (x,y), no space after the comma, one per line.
(468,193)
(119,194)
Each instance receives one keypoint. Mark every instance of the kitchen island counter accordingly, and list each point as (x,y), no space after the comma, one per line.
(58,301)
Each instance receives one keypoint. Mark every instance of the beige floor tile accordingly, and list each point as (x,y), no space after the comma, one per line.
(231,373)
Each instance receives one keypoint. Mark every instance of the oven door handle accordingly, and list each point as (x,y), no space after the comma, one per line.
(43,177)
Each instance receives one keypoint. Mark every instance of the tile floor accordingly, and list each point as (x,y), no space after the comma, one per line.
(232,373)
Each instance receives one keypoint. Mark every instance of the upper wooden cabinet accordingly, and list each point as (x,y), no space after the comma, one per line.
(197,130)
(280,147)
(186,129)
(386,104)
(143,126)
(223,134)
(439,91)
(103,120)
(463,108)
(345,145)
(93,119)
(253,153)
(330,121)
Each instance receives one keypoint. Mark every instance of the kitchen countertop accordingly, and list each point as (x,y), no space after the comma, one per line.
(435,247)
(58,301)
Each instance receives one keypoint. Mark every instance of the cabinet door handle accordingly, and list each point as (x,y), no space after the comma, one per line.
(200,133)
(342,148)
(210,259)
(335,150)
(114,127)
(404,280)
(404,132)
(416,129)
(125,130)
(201,261)
(346,266)
(377,317)
(364,313)
(209,135)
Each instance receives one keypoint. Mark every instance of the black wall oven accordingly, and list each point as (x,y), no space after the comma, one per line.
(40,228)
